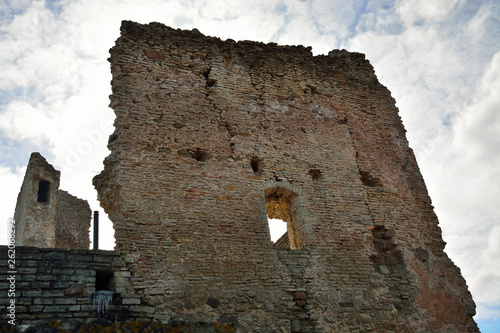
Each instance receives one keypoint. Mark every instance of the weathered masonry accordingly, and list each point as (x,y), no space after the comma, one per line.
(212,136)
(60,284)
(46,216)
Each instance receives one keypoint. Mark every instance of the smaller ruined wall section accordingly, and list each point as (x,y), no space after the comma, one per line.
(72,222)
(35,220)
(58,284)
(46,216)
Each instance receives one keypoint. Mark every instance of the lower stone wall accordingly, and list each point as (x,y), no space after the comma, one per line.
(130,326)
(51,290)
(57,284)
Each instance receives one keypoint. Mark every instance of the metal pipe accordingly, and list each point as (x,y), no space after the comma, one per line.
(96,230)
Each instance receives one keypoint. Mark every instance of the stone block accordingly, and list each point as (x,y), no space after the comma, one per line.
(55,308)
(31,293)
(131,301)
(65,300)
(35,308)
(74,289)
(53,293)
(46,277)
(75,307)
(54,256)
(43,301)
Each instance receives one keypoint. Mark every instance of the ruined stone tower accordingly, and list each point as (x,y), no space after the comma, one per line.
(46,216)
(212,136)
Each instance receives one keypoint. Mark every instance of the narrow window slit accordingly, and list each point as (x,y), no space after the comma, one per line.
(43,191)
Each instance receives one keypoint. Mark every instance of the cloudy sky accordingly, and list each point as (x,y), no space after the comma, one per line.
(440,59)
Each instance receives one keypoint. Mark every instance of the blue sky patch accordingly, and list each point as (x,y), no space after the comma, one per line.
(280,9)
(16,153)
(54,6)
(488,325)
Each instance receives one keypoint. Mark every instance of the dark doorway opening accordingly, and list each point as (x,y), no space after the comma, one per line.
(104,280)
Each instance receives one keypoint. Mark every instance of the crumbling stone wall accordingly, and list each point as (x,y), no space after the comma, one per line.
(46,216)
(72,222)
(37,204)
(209,133)
(58,284)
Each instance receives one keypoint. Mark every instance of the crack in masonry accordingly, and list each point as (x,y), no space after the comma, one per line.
(365,195)
(209,84)
(254,85)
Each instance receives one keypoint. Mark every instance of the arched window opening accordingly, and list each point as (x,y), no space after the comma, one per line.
(280,204)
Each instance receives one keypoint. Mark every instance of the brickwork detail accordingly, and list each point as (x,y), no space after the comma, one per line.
(209,132)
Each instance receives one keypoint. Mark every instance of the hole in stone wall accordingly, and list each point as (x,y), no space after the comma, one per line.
(369,180)
(315,174)
(104,280)
(211,82)
(342,122)
(112,138)
(43,191)
(279,205)
(206,73)
(255,164)
(200,155)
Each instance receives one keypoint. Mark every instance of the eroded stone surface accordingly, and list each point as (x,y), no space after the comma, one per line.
(208,131)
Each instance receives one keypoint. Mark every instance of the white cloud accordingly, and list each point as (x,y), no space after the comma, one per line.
(477,154)
(11,181)
(467,166)
(416,11)
(12,6)
(333,16)
(479,128)
(21,37)
(485,284)
(20,120)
